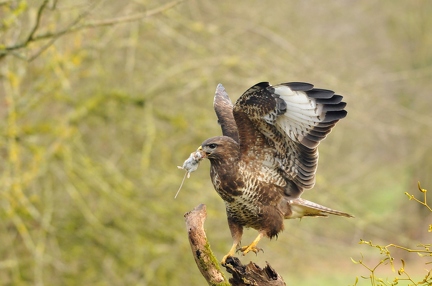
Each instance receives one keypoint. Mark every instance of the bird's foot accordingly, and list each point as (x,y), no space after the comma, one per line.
(252,247)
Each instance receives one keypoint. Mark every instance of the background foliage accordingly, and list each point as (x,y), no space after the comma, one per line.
(98,108)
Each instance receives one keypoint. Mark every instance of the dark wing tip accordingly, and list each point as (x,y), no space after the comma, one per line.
(320,93)
(334,107)
(331,116)
(263,84)
(299,86)
(335,99)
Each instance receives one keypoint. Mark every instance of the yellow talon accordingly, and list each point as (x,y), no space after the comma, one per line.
(253,246)
(230,253)
(245,249)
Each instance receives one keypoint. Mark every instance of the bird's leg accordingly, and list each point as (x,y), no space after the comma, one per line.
(236,233)
(253,246)
(231,252)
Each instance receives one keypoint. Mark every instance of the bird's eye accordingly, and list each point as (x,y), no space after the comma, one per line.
(212,146)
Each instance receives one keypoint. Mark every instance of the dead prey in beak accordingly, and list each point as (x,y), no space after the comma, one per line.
(191,165)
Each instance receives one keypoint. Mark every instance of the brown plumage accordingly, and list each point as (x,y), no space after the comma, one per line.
(268,155)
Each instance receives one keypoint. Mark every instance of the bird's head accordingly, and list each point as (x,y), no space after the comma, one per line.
(216,147)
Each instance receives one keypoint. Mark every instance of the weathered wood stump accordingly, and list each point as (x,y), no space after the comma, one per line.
(242,275)
(252,274)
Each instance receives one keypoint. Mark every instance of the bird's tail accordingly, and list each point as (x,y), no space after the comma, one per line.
(300,208)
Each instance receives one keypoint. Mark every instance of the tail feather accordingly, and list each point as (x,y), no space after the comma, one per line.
(300,208)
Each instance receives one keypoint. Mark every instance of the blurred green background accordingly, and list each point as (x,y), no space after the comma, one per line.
(95,121)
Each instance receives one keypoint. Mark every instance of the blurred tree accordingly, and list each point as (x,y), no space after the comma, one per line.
(99,103)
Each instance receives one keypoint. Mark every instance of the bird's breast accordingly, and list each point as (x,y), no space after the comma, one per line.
(226,185)
(244,211)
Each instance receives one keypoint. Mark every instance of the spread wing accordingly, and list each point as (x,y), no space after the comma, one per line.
(292,118)
(224,111)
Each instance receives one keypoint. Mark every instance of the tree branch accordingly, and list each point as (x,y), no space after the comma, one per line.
(250,274)
(38,18)
(73,27)
(109,22)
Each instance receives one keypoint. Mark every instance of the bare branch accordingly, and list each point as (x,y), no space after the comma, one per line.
(55,36)
(109,22)
(38,18)
(201,251)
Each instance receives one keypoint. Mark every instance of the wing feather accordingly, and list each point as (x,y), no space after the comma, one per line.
(224,110)
(293,118)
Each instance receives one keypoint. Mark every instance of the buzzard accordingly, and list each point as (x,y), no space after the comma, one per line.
(268,155)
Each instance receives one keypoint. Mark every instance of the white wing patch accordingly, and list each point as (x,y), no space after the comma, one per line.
(302,114)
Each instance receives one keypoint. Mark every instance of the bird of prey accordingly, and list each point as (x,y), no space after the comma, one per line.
(268,155)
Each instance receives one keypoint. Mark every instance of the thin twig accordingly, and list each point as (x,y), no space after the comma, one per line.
(38,18)
(129,18)
(427,251)
(58,35)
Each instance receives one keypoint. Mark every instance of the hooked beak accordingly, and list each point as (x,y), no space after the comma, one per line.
(201,151)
